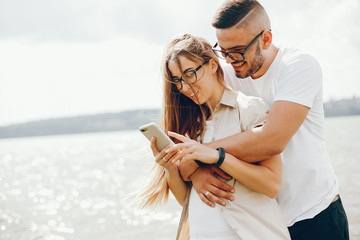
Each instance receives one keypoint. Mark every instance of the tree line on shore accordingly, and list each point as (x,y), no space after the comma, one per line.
(130,120)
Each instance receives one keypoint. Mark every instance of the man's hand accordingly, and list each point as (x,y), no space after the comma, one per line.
(205,183)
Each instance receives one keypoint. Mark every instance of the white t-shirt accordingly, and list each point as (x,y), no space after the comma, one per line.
(309,183)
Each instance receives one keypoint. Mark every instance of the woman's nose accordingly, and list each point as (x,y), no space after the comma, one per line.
(186,87)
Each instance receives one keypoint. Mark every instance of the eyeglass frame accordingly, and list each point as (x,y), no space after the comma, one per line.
(228,54)
(181,79)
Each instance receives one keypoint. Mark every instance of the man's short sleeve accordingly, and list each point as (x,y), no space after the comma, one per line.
(301,81)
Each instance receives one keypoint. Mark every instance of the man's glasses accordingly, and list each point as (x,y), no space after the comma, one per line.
(189,76)
(235,55)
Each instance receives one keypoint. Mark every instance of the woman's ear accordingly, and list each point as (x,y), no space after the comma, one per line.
(214,65)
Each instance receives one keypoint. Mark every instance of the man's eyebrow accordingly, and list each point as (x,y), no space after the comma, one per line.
(235,47)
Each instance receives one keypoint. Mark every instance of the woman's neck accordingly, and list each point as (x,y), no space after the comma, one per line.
(216,97)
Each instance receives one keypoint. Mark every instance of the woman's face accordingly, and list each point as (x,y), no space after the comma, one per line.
(206,83)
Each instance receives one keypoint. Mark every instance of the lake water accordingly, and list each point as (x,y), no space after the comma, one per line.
(78,187)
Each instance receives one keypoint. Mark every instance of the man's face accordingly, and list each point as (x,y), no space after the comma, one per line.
(236,40)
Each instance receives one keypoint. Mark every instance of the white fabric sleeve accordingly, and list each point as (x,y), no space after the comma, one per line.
(253,111)
(301,82)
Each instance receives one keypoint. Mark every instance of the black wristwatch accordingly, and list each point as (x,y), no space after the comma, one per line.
(221,156)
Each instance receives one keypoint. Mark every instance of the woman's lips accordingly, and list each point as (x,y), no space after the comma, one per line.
(192,95)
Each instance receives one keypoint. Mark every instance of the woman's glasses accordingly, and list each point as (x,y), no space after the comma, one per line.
(189,76)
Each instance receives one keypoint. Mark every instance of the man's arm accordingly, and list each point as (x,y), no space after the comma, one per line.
(257,144)
(217,188)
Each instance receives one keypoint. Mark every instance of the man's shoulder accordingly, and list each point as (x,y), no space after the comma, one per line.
(294,56)
(294,61)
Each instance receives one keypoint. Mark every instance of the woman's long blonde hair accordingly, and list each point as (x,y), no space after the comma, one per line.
(179,113)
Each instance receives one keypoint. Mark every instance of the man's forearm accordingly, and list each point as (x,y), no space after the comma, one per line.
(250,146)
(283,121)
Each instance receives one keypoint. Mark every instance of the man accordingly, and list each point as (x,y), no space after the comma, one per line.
(291,83)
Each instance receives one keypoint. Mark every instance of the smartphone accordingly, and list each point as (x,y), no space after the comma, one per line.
(152,130)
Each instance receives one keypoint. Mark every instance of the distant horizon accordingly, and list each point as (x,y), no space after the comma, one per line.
(78,115)
(125,110)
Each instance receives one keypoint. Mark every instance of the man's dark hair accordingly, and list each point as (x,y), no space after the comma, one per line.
(233,11)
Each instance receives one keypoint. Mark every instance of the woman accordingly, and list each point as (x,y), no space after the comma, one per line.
(197,104)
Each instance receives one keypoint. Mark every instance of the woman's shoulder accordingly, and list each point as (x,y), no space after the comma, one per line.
(253,111)
(246,101)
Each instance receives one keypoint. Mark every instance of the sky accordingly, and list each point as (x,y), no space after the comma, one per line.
(61,58)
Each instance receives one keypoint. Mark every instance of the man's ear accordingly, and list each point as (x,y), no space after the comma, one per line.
(266,39)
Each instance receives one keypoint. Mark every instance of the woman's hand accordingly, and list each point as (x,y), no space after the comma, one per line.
(163,158)
(192,150)
(173,178)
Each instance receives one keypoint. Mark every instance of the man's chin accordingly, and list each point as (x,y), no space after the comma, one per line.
(240,75)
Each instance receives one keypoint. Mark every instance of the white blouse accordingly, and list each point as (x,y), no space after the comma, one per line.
(252,215)
(207,222)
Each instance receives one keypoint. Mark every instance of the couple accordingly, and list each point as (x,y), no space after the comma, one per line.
(219,131)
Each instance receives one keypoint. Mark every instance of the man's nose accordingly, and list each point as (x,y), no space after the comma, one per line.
(228,59)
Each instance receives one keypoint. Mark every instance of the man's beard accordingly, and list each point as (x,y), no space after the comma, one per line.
(255,65)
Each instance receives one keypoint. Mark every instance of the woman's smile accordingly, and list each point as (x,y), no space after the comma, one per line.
(193,95)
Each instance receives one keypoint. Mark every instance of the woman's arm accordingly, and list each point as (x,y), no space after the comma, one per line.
(175,182)
(264,177)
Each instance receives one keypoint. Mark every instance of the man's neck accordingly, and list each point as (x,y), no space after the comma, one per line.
(269,55)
